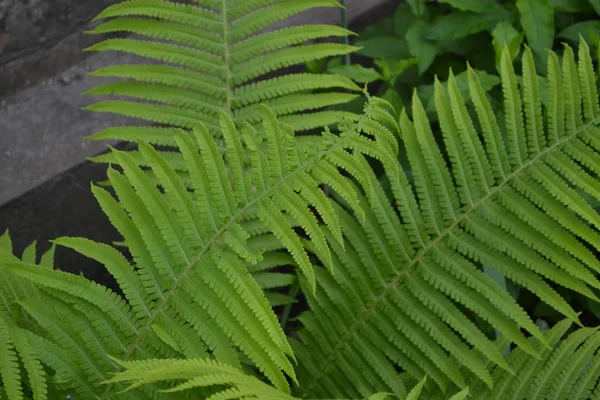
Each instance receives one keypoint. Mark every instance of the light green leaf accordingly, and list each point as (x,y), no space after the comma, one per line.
(5,242)
(459,24)
(571,6)
(277,299)
(357,73)
(417,6)
(383,47)
(460,395)
(505,34)
(537,20)
(419,46)
(585,29)
(416,391)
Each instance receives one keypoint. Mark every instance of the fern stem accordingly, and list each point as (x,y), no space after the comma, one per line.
(293,292)
(226,61)
(344,24)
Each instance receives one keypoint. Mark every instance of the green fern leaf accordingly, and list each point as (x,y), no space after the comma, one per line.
(219,60)
(512,199)
(565,368)
(191,245)
(9,366)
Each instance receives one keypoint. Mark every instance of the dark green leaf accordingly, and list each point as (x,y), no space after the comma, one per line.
(391,69)
(584,29)
(571,6)
(390,94)
(403,19)
(357,73)
(537,20)
(421,48)
(383,47)
(596,5)
(458,24)
(383,27)
(465,46)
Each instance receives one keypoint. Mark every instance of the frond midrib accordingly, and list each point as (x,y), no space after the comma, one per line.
(365,315)
(226,56)
(340,143)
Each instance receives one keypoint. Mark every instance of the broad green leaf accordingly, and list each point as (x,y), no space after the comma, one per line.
(383,47)
(392,69)
(466,46)
(537,20)
(459,24)
(570,6)
(505,34)
(596,5)
(467,5)
(357,73)
(585,29)
(403,19)
(421,48)
(383,27)
(417,6)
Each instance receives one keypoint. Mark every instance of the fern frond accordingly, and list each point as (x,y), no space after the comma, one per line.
(21,372)
(216,59)
(221,381)
(403,291)
(9,364)
(191,245)
(225,381)
(566,367)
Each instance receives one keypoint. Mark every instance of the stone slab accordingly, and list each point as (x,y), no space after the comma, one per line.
(39,38)
(42,129)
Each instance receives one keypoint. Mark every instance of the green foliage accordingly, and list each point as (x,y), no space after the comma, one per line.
(407,283)
(212,56)
(453,33)
(565,368)
(395,244)
(189,291)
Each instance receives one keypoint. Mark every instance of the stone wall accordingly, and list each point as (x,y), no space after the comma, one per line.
(39,38)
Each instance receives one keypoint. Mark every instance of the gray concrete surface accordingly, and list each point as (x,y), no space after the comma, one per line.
(42,128)
(39,38)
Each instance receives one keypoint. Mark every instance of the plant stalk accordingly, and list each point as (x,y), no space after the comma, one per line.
(344,23)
